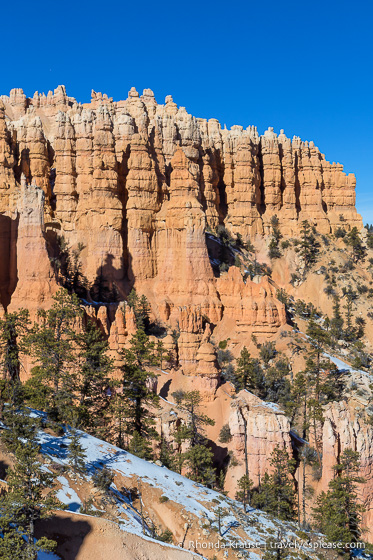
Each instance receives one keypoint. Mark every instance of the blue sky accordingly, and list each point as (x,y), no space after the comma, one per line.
(302,66)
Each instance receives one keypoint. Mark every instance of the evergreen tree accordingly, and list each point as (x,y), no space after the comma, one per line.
(243,493)
(77,281)
(141,309)
(322,381)
(199,457)
(161,353)
(118,411)
(181,435)
(338,511)
(136,396)
(14,328)
(308,457)
(19,427)
(277,386)
(103,478)
(77,457)
(267,352)
(166,454)
(141,446)
(350,331)
(263,497)
(352,239)
(92,378)
(299,404)
(337,322)
(198,460)
(27,501)
(52,346)
(190,402)
(274,250)
(68,267)
(276,550)
(283,468)
(276,494)
(309,246)
(248,373)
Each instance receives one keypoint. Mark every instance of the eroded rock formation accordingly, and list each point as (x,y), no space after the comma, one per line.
(136,185)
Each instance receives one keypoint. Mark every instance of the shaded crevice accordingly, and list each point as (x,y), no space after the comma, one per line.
(282,184)
(297,184)
(261,207)
(223,204)
(8,258)
(122,193)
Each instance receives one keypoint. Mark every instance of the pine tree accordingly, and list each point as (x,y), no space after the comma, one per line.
(76,454)
(118,411)
(299,405)
(182,434)
(103,478)
(52,346)
(276,494)
(141,309)
(190,401)
(19,426)
(68,267)
(283,468)
(14,328)
(276,550)
(248,374)
(27,501)
(243,493)
(352,239)
(277,386)
(167,454)
(338,511)
(263,497)
(274,251)
(78,282)
(161,353)
(322,382)
(309,246)
(92,378)
(199,459)
(337,322)
(308,457)
(350,295)
(140,446)
(137,397)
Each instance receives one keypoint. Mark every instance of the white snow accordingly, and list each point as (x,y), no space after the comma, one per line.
(193,498)
(342,366)
(67,495)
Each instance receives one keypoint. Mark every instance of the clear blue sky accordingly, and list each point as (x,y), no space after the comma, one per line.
(302,66)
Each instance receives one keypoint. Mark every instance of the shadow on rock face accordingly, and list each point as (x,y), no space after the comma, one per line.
(67,532)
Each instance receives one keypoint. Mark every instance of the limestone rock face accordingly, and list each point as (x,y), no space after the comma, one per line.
(184,269)
(342,430)
(115,178)
(264,428)
(254,306)
(207,370)
(35,283)
(137,184)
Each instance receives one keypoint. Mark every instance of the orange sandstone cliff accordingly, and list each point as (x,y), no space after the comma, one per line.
(138,186)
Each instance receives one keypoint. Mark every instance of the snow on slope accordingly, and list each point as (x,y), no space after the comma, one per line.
(194,500)
(342,366)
